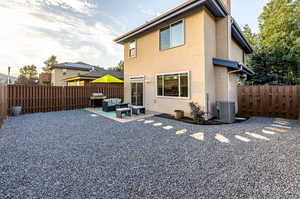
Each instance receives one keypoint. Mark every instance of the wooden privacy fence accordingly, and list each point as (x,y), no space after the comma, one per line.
(3,103)
(36,99)
(269,101)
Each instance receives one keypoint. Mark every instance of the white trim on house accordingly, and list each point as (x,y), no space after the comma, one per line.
(175,73)
(137,78)
(129,48)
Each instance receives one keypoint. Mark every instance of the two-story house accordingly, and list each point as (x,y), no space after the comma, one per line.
(79,74)
(60,72)
(193,53)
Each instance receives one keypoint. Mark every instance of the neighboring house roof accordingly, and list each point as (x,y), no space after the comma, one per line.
(4,77)
(216,7)
(97,73)
(232,65)
(74,66)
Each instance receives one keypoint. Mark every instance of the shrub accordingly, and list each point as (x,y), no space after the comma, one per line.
(197,113)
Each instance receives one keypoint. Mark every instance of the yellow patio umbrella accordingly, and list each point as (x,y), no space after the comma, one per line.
(108,79)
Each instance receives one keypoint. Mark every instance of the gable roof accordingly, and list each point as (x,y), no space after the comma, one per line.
(74,66)
(97,73)
(100,72)
(216,7)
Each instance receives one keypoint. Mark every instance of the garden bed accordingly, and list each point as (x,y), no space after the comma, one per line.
(191,121)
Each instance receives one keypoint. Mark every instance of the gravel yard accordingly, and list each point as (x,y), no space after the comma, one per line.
(77,154)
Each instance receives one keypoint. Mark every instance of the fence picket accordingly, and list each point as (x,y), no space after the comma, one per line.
(44,99)
(269,101)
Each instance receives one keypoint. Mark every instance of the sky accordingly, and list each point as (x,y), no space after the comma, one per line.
(83,30)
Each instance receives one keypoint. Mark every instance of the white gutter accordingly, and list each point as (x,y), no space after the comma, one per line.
(228,83)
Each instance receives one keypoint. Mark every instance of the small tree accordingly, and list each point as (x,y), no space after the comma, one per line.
(28,75)
(49,63)
(120,66)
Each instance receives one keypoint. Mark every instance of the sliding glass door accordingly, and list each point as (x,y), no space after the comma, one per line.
(137,94)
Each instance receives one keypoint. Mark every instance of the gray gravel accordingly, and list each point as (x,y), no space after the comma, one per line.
(72,154)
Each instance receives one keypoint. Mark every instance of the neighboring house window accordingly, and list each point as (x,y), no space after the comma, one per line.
(64,71)
(132,49)
(173,85)
(172,36)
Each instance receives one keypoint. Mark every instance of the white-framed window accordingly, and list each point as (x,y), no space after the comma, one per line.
(132,49)
(172,35)
(173,85)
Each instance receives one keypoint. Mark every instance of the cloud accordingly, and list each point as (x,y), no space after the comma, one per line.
(80,6)
(37,29)
(148,11)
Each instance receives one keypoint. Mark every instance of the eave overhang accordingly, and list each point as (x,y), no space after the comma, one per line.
(238,36)
(234,65)
(214,6)
(70,68)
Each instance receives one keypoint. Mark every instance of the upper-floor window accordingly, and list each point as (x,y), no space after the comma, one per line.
(172,36)
(132,49)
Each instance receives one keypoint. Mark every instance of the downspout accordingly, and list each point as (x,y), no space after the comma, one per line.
(228,83)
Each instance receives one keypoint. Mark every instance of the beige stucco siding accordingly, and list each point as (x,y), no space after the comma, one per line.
(150,61)
(210,53)
(237,52)
(57,76)
(223,37)
(221,82)
(233,95)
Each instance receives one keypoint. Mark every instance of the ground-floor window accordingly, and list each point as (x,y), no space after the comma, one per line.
(173,85)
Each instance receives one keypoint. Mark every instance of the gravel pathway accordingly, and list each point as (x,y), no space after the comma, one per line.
(75,154)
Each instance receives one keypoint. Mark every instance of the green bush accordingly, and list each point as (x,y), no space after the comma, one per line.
(197,113)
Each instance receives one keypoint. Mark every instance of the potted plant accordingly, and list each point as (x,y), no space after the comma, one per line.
(197,113)
(179,114)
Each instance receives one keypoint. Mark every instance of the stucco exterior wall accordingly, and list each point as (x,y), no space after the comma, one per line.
(233,95)
(150,61)
(210,41)
(221,82)
(57,76)
(223,37)
(237,52)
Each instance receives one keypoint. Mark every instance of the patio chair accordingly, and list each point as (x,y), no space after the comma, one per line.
(109,105)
